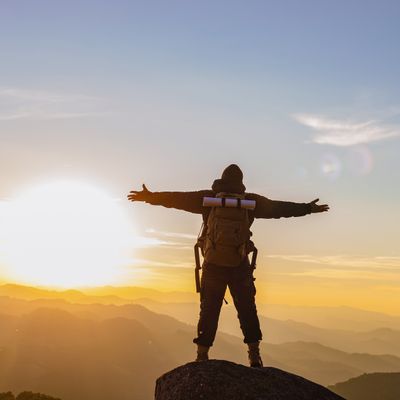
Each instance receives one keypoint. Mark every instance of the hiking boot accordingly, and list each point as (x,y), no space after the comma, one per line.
(202,353)
(254,355)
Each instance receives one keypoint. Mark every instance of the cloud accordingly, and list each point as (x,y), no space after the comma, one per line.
(376,262)
(21,104)
(171,234)
(145,242)
(172,240)
(345,266)
(147,263)
(160,239)
(345,132)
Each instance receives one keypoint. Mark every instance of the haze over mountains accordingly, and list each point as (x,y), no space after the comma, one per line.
(76,346)
(374,341)
(323,317)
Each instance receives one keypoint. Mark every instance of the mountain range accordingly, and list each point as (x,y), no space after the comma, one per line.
(76,346)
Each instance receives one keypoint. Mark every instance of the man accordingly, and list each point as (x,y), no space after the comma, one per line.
(217,276)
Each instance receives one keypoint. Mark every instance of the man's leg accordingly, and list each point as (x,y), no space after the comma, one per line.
(213,287)
(243,292)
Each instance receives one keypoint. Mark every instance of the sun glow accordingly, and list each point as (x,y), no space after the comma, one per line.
(65,234)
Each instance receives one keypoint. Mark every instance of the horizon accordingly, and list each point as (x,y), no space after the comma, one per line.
(101,291)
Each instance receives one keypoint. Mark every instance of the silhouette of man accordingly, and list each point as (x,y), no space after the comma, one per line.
(217,277)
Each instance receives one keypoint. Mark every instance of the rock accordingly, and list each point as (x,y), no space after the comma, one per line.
(220,380)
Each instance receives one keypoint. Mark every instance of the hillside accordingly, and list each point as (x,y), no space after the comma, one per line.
(377,386)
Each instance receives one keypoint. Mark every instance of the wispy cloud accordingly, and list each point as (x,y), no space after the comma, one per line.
(145,242)
(345,266)
(338,132)
(162,240)
(343,260)
(20,104)
(171,234)
(175,240)
(147,263)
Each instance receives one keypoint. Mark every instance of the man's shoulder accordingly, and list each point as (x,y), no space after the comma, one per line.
(252,196)
(206,192)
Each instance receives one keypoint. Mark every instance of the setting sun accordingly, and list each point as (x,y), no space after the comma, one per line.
(65,234)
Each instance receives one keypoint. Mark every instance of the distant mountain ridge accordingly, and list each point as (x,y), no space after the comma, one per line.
(26,396)
(105,294)
(321,317)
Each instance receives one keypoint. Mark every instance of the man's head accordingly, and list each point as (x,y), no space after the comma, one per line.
(231,180)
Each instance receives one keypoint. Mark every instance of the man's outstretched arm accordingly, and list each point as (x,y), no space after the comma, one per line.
(267,208)
(186,201)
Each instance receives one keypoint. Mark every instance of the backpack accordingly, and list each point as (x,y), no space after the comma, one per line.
(225,239)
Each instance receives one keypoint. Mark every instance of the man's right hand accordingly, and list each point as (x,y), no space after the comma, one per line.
(317,208)
(142,195)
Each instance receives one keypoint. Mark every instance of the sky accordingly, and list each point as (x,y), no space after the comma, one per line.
(303,96)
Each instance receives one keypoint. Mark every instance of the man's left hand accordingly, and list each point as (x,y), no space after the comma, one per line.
(139,195)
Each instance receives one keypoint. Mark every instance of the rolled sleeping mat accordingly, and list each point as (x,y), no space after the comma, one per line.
(228,202)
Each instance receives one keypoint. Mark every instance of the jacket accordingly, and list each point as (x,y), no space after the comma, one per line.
(193,202)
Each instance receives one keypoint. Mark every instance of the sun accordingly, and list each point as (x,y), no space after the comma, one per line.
(65,234)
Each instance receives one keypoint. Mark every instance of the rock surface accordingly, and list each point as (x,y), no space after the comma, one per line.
(220,380)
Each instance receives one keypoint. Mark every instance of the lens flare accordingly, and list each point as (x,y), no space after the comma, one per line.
(331,166)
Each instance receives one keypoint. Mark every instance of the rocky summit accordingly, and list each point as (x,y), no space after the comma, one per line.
(220,380)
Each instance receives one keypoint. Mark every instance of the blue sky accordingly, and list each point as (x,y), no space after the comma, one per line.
(302,95)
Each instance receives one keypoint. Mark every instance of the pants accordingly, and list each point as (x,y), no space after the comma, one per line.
(240,281)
